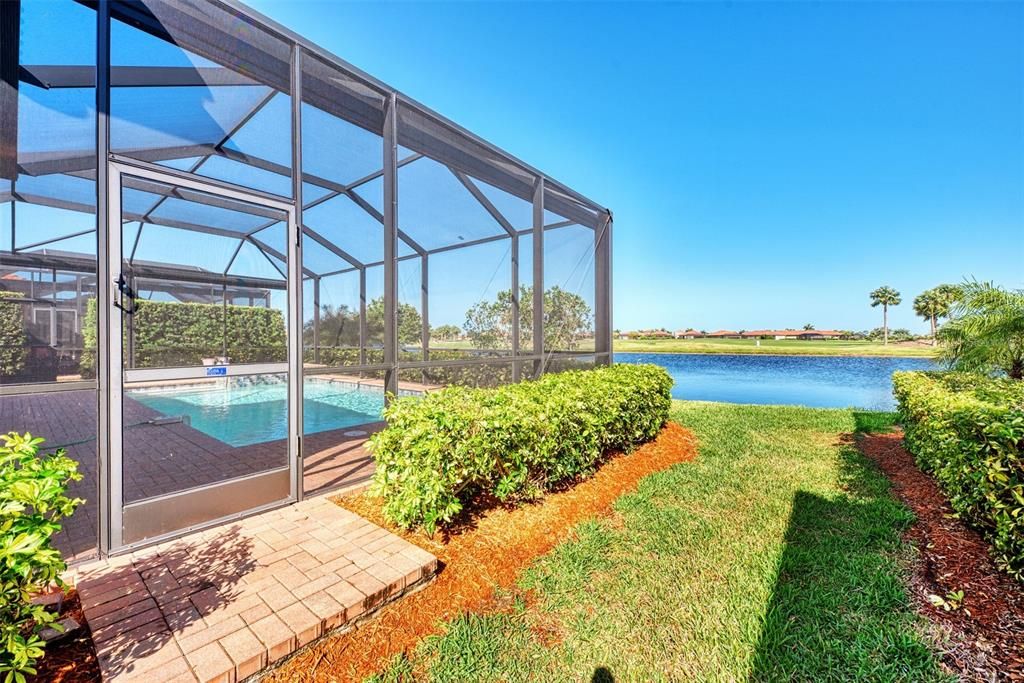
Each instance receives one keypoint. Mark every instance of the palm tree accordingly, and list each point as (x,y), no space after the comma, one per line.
(985,332)
(808,327)
(885,297)
(935,303)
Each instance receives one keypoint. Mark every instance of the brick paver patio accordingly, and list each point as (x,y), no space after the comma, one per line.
(223,604)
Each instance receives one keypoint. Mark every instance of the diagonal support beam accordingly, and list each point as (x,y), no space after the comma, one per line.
(264,101)
(368,208)
(331,247)
(489,206)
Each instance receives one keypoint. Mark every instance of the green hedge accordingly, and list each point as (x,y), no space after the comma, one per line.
(169,334)
(968,432)
(13,339)
(496,372)
(514,441)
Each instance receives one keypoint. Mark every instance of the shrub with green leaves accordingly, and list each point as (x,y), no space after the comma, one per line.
(967,430)
(13,339)
(514,441)
(32,503)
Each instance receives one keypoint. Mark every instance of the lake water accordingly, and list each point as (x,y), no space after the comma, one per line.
(818,381)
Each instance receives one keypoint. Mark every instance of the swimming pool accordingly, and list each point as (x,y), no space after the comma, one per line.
(241,413)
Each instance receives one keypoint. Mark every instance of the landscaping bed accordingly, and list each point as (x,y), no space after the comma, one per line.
(71,659)
(484,551)
(985,626)
(967,431)
(777,554)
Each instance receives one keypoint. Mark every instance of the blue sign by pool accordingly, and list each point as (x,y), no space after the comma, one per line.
(216,371)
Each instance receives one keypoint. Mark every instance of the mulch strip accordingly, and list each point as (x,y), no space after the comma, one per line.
(71,659)
(987,630)
(485,552)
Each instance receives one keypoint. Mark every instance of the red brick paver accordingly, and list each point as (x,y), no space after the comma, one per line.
(222,604)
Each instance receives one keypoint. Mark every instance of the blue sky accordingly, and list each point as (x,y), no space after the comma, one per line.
(768,163)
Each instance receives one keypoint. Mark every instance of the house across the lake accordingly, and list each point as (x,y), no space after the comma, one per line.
(806,335)
(793,334)
(688,334)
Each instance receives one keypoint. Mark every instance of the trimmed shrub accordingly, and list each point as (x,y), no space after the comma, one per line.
(514,441)
(968,432)
(32,503)
(13,339)
(171,333)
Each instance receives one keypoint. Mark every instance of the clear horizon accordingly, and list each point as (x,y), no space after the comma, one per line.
(768,164)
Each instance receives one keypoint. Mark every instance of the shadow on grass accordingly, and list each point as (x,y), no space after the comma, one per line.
(839,609)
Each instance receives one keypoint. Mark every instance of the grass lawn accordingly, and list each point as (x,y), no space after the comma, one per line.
(773,346)
(776,555)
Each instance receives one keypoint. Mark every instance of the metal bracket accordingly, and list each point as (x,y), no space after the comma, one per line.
(128,294)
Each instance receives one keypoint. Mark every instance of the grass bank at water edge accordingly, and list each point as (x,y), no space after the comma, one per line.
(775,556)
(785,347)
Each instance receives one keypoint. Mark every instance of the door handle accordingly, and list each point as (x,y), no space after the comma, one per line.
(128,294)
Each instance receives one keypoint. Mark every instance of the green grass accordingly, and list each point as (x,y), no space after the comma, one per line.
(776,556)
(787,347)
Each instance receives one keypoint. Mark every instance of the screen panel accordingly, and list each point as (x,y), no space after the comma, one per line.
(48,249)
(191,80)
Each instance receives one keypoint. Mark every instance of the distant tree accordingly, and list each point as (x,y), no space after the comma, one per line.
(339,325)
(885,297)
(899,334)
(935,303)
(808,327)
(410,324)
(567,319)
(446,332)
(985,332)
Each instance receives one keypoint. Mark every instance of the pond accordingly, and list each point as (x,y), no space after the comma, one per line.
(817,381)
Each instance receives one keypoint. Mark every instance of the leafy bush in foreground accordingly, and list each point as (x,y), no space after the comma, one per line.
(968,432)
(32,503)
(513,441)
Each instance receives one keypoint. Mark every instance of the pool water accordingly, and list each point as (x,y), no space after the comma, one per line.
(817,381)
(244,414)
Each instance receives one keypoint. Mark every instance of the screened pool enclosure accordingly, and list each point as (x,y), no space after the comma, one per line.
(223,249)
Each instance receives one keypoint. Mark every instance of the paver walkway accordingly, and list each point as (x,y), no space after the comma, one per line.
(223,604)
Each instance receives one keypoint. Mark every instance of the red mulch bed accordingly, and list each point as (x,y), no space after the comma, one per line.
(486,551)
(987,631)
(72,659)
(483,554)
